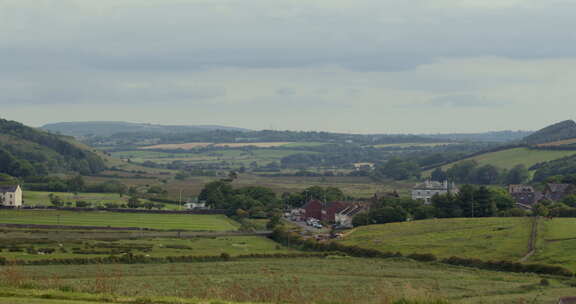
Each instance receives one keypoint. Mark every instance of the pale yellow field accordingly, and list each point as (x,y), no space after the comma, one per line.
(188,146)
(405,145)
(185,146)
(559,143)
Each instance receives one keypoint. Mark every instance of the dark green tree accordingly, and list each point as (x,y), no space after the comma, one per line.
(439,175)
(133,202)
(517,175)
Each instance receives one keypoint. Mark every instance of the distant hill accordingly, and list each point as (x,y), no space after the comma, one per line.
(26,151)
(108,128)
(556,132)
(495,136)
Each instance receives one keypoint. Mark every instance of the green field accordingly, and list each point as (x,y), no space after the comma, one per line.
(483,238)
(406,145)
(41,198)
(236,157)
(113,219)
(311,280)
(154,247)
(508,159)
(557,242)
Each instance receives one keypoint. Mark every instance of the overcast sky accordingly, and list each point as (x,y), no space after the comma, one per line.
(363,66)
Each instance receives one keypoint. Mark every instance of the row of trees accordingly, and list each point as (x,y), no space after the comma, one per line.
(471,201)
(251,201)
(326,194)
(133,203)
(74,184)
(471,172)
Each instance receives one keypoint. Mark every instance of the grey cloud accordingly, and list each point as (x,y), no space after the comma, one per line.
(464,101)
(286,91)
(67,90)
(176,35)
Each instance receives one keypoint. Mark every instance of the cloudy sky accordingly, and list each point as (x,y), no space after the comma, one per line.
(363,66)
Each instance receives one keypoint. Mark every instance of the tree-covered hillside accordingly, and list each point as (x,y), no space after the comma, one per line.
(559,131)
(25,151)
(108,128)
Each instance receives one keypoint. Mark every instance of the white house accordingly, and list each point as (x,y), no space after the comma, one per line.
(195,205)
(11,196)
(344,217)
(426,190)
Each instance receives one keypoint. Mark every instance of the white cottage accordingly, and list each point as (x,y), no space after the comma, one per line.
(11,196)
(426,190)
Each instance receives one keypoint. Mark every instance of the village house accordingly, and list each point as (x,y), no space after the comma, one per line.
(195,205)
(557,192)
(526,196)
(11,196)
(426,190)
(323,211)
(313,209)
(344,217)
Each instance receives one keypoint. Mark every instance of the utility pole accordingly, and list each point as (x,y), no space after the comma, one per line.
(472,203)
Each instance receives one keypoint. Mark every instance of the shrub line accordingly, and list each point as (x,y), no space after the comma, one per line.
(293,240)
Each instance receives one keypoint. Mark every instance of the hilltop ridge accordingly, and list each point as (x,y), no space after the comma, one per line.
(26,151)
(559,131)
(108,128)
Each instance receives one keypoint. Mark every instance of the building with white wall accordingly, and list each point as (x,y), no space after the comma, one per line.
(426,190)
(11,196)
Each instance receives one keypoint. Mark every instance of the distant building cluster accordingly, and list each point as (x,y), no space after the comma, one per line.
(426,190)
(339,213)
(526,196)
(11,196)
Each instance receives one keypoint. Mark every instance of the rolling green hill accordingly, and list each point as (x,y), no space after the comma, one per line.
(556,132)
(480,238)
(26,151)
(483,238)
(508,159)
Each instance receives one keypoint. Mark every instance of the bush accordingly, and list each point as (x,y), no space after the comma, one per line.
(423,257)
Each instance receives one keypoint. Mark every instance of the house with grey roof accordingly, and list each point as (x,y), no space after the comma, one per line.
(11,196)
(345,216)
(426,190)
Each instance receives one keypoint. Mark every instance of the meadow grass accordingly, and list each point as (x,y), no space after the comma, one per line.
(154,247)
(118,219)
(42,198)
(310,280)
(482,238)
(556,243)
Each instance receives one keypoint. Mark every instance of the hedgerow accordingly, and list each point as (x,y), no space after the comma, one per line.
(293,240)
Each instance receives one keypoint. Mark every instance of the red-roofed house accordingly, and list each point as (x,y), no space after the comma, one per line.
(325,212)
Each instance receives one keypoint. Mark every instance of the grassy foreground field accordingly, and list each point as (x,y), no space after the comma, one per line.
(483,238)
(117,219)
(508,159)
(311,280)
(556,242)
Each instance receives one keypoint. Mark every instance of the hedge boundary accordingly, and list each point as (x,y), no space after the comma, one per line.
(291,239)
(143,259)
